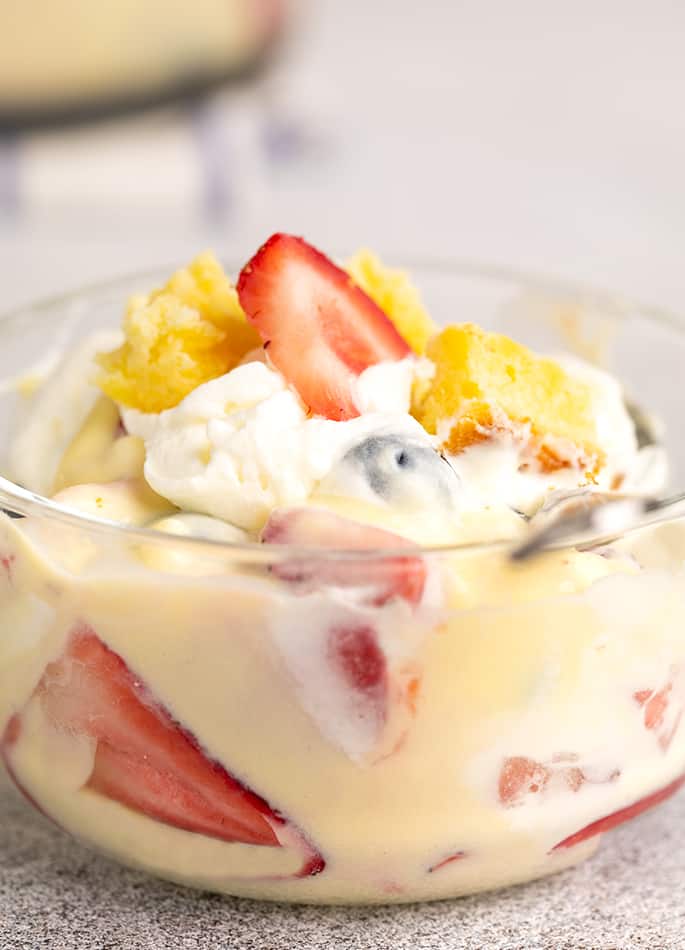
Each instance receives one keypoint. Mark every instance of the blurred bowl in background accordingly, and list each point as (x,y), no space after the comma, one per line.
(73,60)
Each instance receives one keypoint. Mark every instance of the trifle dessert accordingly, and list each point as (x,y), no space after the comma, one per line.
(260,631)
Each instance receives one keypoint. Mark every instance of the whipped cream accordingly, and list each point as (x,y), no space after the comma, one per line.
(243,444)
(385,387)
(615,429)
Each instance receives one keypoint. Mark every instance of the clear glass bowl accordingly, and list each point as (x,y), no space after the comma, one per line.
(342,726)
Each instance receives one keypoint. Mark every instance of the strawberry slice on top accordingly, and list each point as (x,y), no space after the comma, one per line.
(321,330)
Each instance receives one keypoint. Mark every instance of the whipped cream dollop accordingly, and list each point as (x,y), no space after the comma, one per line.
(243,444)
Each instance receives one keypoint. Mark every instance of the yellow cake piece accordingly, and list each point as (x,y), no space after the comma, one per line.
(485,383)
(176,338)
(395,295)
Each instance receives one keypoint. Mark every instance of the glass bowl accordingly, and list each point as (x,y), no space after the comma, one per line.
(345,726)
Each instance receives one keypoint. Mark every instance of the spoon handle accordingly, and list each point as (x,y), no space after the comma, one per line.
(596,518)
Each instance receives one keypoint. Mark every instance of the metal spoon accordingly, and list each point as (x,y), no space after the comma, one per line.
(587,515)
(569,517)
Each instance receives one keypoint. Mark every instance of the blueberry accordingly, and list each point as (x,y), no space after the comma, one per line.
(397,470)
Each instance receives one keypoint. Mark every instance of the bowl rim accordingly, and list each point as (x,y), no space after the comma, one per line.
(17,502)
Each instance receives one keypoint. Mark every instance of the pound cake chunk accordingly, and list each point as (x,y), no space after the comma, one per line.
(486,385)
(190,331)
(397,297)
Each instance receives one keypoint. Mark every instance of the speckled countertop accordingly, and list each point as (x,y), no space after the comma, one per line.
(55,895)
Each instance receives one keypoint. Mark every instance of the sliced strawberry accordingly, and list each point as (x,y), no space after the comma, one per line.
(321,330)
(622,815)
(450,859)
(361,696)
(661,715)
(143,758)
(521,776)
(7,565)
(164,774)
(385,578)
(355,654)
(11,733)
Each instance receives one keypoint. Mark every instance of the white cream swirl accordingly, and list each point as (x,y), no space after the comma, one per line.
(243,444)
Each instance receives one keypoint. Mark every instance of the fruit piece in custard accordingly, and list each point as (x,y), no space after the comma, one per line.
(188,332)
(522,777)
(142,758)
(608,822)
(661,712)
(320,330)
(445,862)
(7,566)
(356,671)
(379,579)
(486,385)
(397,297)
